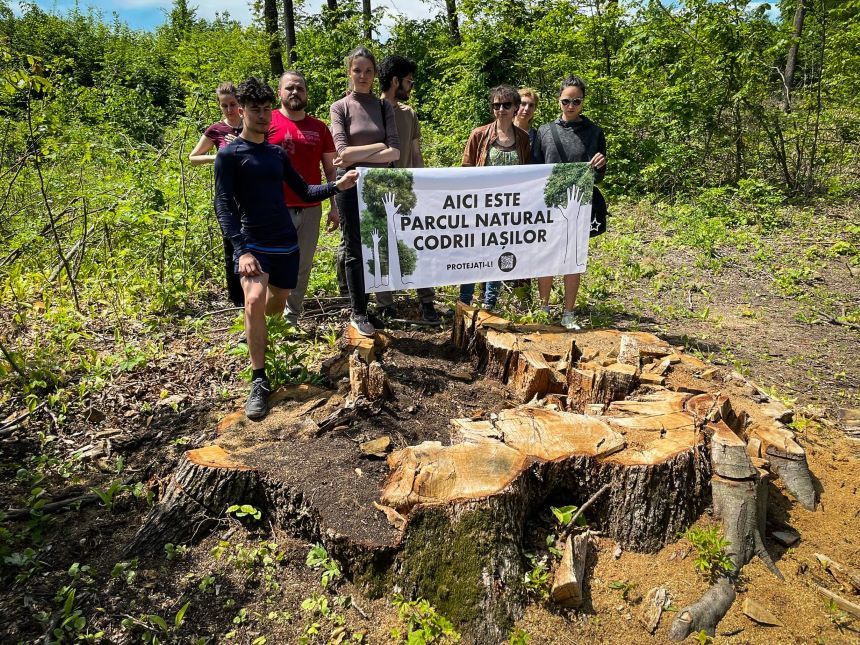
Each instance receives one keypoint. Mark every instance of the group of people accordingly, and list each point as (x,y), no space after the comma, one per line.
(268,184)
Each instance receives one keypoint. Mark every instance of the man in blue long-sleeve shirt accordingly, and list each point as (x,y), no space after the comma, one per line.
(249,202)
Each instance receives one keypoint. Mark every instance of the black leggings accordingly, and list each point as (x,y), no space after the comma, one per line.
(347,204)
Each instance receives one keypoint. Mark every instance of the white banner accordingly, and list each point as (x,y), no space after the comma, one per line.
(456,225)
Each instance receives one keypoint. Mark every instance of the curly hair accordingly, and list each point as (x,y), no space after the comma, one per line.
(254,92)
(392,66)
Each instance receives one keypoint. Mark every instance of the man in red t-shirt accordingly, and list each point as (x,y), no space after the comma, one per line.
(308,143)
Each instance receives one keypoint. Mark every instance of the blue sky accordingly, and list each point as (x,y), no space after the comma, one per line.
(147,14)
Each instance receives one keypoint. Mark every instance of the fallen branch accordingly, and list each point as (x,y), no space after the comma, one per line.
(582,509)
(705,614)
(64,504)
(839,601)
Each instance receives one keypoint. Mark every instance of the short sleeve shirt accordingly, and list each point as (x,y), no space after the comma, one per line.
(305,142)
(217,131)
(408,131)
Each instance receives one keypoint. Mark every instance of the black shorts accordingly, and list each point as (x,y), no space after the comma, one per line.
(283,268)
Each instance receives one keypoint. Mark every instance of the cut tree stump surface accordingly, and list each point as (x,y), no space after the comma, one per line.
(532,412)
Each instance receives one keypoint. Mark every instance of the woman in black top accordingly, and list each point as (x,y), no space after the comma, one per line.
(571,138)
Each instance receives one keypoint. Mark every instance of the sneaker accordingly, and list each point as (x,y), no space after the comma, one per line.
(291,318)
(488,306)
(257,405)
(429,313)
(546,309)
(362,325)
(568,321)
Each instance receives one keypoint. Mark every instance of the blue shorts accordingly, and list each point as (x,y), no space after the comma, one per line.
(282,268)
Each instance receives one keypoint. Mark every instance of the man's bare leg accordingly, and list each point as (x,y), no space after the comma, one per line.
(255,289)
(276,300)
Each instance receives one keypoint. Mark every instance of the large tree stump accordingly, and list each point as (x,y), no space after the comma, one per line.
(445,519)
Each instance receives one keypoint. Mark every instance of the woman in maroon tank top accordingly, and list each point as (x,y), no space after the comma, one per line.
(217,136)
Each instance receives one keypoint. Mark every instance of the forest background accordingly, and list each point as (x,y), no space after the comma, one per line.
(728,123)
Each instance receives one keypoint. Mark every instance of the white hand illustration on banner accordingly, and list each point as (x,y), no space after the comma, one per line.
(392,210)
(377,261)
(571,213)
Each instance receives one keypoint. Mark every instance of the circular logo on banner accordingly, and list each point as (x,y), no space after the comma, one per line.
(507,261)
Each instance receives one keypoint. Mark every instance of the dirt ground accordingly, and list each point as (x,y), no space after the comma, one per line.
(150,415)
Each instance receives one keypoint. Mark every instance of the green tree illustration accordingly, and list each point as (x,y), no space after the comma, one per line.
(564,176)
(377,183)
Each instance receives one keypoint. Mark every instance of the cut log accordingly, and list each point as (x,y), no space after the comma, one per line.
(208,481)
(567,585)
(530,376)
(738,504)
(447,522)
(377,382)
(628,352)
(787,459)
(729,453)
(705,614)
(357,375)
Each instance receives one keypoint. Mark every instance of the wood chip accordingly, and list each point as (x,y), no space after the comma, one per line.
(394,518)
(375,447)
(656,600)
(759,614)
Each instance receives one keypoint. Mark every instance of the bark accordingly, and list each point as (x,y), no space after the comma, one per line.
(270,17)
(290,31)
(704,614)
(791,57)
(453,22)
(368,18)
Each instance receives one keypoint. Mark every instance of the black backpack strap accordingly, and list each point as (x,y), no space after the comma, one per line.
(553,128)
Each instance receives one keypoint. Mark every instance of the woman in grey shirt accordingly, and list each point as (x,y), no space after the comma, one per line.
(364,135)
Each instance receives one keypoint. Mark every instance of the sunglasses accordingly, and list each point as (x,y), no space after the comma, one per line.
(566,102)
(503,106)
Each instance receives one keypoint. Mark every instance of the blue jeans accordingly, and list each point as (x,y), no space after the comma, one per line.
(491,292)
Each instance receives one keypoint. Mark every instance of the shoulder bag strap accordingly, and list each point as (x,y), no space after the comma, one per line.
(562,154)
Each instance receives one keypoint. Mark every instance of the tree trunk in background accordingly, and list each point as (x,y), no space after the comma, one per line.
(290,31)
(453,22)
(270,15)
(791,58)
(365,10)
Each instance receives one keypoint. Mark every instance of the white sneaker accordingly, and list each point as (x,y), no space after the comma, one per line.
(362,325)
(568,321)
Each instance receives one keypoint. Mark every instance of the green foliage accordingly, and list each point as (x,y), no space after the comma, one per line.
(711,559)
(318,558)
(244,510)
(624,587)
(537,579)
(285,358)
(564,515)
(564,177)
(422,623)
(519,637)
